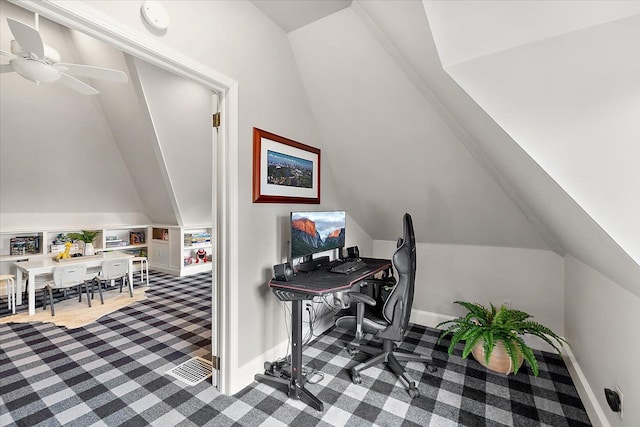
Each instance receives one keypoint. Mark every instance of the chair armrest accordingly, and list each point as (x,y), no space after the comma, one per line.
(375,287)
(361,298)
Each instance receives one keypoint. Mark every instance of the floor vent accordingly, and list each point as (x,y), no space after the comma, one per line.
(192,371)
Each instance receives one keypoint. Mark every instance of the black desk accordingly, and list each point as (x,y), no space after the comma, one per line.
(304,286)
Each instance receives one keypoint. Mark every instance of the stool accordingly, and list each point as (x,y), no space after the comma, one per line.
(144,267)
(11,291)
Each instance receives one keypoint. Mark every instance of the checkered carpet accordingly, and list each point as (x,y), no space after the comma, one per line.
(113,373)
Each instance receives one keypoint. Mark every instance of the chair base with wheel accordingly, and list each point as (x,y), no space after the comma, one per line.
(387,315)
(391,356)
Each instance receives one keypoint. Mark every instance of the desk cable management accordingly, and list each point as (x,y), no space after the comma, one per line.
(316,314)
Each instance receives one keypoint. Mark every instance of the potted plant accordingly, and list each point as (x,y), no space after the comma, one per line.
(494,336)
(87,236)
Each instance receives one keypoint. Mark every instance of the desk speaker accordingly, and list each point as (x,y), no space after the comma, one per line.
(283,272)
(353,252)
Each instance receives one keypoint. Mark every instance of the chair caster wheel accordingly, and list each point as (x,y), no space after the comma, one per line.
(431,368)
(352,351)
(413,393)
(356,378)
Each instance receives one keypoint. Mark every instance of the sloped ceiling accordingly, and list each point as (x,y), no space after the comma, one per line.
(364,87)
(563,80)
(291,15)
(393,149)
(57,151)
(108,141)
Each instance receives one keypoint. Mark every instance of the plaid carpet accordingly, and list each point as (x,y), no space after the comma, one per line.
(113,373)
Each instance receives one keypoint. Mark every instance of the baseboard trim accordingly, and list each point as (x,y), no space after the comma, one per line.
(588,397)
(245,373)
(427,318)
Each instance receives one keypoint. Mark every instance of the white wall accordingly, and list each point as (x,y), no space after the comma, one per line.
(403,29)
(602,323)
(393,149)
(57,153)
(572,102)
(532,280)
(236,39)
(181,111)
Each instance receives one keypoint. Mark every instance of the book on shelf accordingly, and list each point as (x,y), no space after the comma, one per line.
(136,237)
(197,239)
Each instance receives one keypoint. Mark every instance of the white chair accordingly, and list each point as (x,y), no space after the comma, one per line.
(66,276)
(141,264)
(11,290)
(113,270)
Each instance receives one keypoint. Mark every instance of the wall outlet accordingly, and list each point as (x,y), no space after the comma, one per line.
(621,400)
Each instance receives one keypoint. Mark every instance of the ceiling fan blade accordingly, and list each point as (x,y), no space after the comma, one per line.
(7,54)
(77,85)
(92,72)
(27,37)
(6,68)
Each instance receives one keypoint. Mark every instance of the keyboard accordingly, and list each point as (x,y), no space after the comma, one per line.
(350,266)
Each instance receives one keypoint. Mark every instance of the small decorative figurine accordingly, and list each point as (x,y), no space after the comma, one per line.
(65,254)
(201,255)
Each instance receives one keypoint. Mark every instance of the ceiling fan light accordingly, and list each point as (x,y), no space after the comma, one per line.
(35,70)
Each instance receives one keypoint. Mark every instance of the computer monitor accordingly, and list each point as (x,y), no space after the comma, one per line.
(313,232)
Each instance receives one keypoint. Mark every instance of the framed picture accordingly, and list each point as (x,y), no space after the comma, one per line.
(284,171)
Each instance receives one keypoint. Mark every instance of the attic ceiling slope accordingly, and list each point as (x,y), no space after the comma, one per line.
(134,137)
(392,147)
(464,30)
(291,15)
(405,30)
(571,101)
(57,153)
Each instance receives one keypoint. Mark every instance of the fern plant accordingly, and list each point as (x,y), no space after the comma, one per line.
(490,325)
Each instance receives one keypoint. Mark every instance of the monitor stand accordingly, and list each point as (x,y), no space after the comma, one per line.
(313,264)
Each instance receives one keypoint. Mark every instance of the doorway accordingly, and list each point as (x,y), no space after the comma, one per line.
(83,18)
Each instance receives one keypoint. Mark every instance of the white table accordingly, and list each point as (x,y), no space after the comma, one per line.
(45,266)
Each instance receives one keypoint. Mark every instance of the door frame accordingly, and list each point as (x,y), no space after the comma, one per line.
(80,16)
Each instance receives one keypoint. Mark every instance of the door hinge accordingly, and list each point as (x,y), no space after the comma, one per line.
(216,120)
(216,362)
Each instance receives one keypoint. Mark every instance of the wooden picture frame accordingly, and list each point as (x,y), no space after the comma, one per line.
(284,171)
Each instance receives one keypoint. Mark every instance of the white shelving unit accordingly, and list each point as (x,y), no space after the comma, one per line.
(168,248)
(131,239)
(48,236)
(171,248)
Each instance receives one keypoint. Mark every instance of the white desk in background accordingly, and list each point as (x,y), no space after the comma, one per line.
(35,267)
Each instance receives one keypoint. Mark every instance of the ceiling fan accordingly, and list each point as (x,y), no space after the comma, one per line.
(40,63)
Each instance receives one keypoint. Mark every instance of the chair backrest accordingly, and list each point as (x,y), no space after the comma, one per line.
(69,275)
(114,269)
(404,261)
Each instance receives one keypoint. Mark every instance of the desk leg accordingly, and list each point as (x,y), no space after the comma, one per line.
(295,386)
(131,277)
(19,286)
(32,294)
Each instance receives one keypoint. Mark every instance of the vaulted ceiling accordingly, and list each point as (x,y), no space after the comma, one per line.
(494,123)
(64,152)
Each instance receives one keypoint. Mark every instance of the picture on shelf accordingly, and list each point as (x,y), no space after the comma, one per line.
(24,245)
